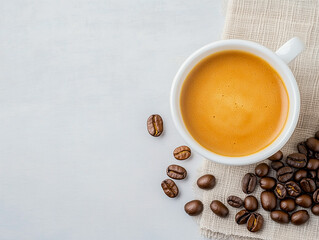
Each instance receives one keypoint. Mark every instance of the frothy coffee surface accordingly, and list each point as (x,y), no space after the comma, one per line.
(234,103)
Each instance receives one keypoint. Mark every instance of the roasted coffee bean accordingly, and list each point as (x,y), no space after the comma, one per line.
(170,188)
(293,188)
(280,191)
(313,144)
(249,183)
(317,135)
(242,216)
(284,174)
(255,222)
(299,217)
(182,152)
(315,209)
(312,174)
(304,200)
(308,185)
(235,201)
(219,208)
(206,181)
(267,183)
(315,196)
(155,125)
(287,204)
(194,207)
(313,164)
(262,170)
(296,160)
(176,172)
(276,165)
(300,174)
(268,200)
(316,155)
(276,157)
(302,148)
(251,203)
(317,182)
(279,216)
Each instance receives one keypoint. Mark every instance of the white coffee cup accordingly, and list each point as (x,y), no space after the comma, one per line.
(277,60)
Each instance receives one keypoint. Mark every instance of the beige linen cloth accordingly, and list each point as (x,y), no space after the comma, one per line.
(270,23)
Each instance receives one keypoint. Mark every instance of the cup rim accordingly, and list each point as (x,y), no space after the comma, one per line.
(282,138)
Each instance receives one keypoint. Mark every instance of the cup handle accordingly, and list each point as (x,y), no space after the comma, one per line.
(290,49)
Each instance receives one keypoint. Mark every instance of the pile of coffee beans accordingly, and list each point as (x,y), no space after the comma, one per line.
(296,185)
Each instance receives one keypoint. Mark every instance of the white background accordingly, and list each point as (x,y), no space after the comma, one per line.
(78,80)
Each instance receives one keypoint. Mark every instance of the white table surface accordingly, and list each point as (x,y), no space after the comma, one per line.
(78,79)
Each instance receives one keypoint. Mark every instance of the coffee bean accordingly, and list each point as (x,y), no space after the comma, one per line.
(235,201)
(317,182)
(255,222)
(287,204)
(315,196)
(242,216)
(299,217)
(249,183)
(304,200)
(293,189)
(317,135)
(302,148)
(276,165)
(182,152)
(176,172)
(251,203)
(206,181)
(155,125)
(268,200)
(313,164)
(276,157)
(296,160)
(280,191)
(267,183)
(170,188)
(313,144)
(312,174)
(284,174)
(300,174)
(262,169)
(308,185)
(279,216)
(316,155)
(194,207)
(219,208)
(315,209)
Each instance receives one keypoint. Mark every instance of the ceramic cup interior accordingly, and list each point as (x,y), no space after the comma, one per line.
(277,60)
